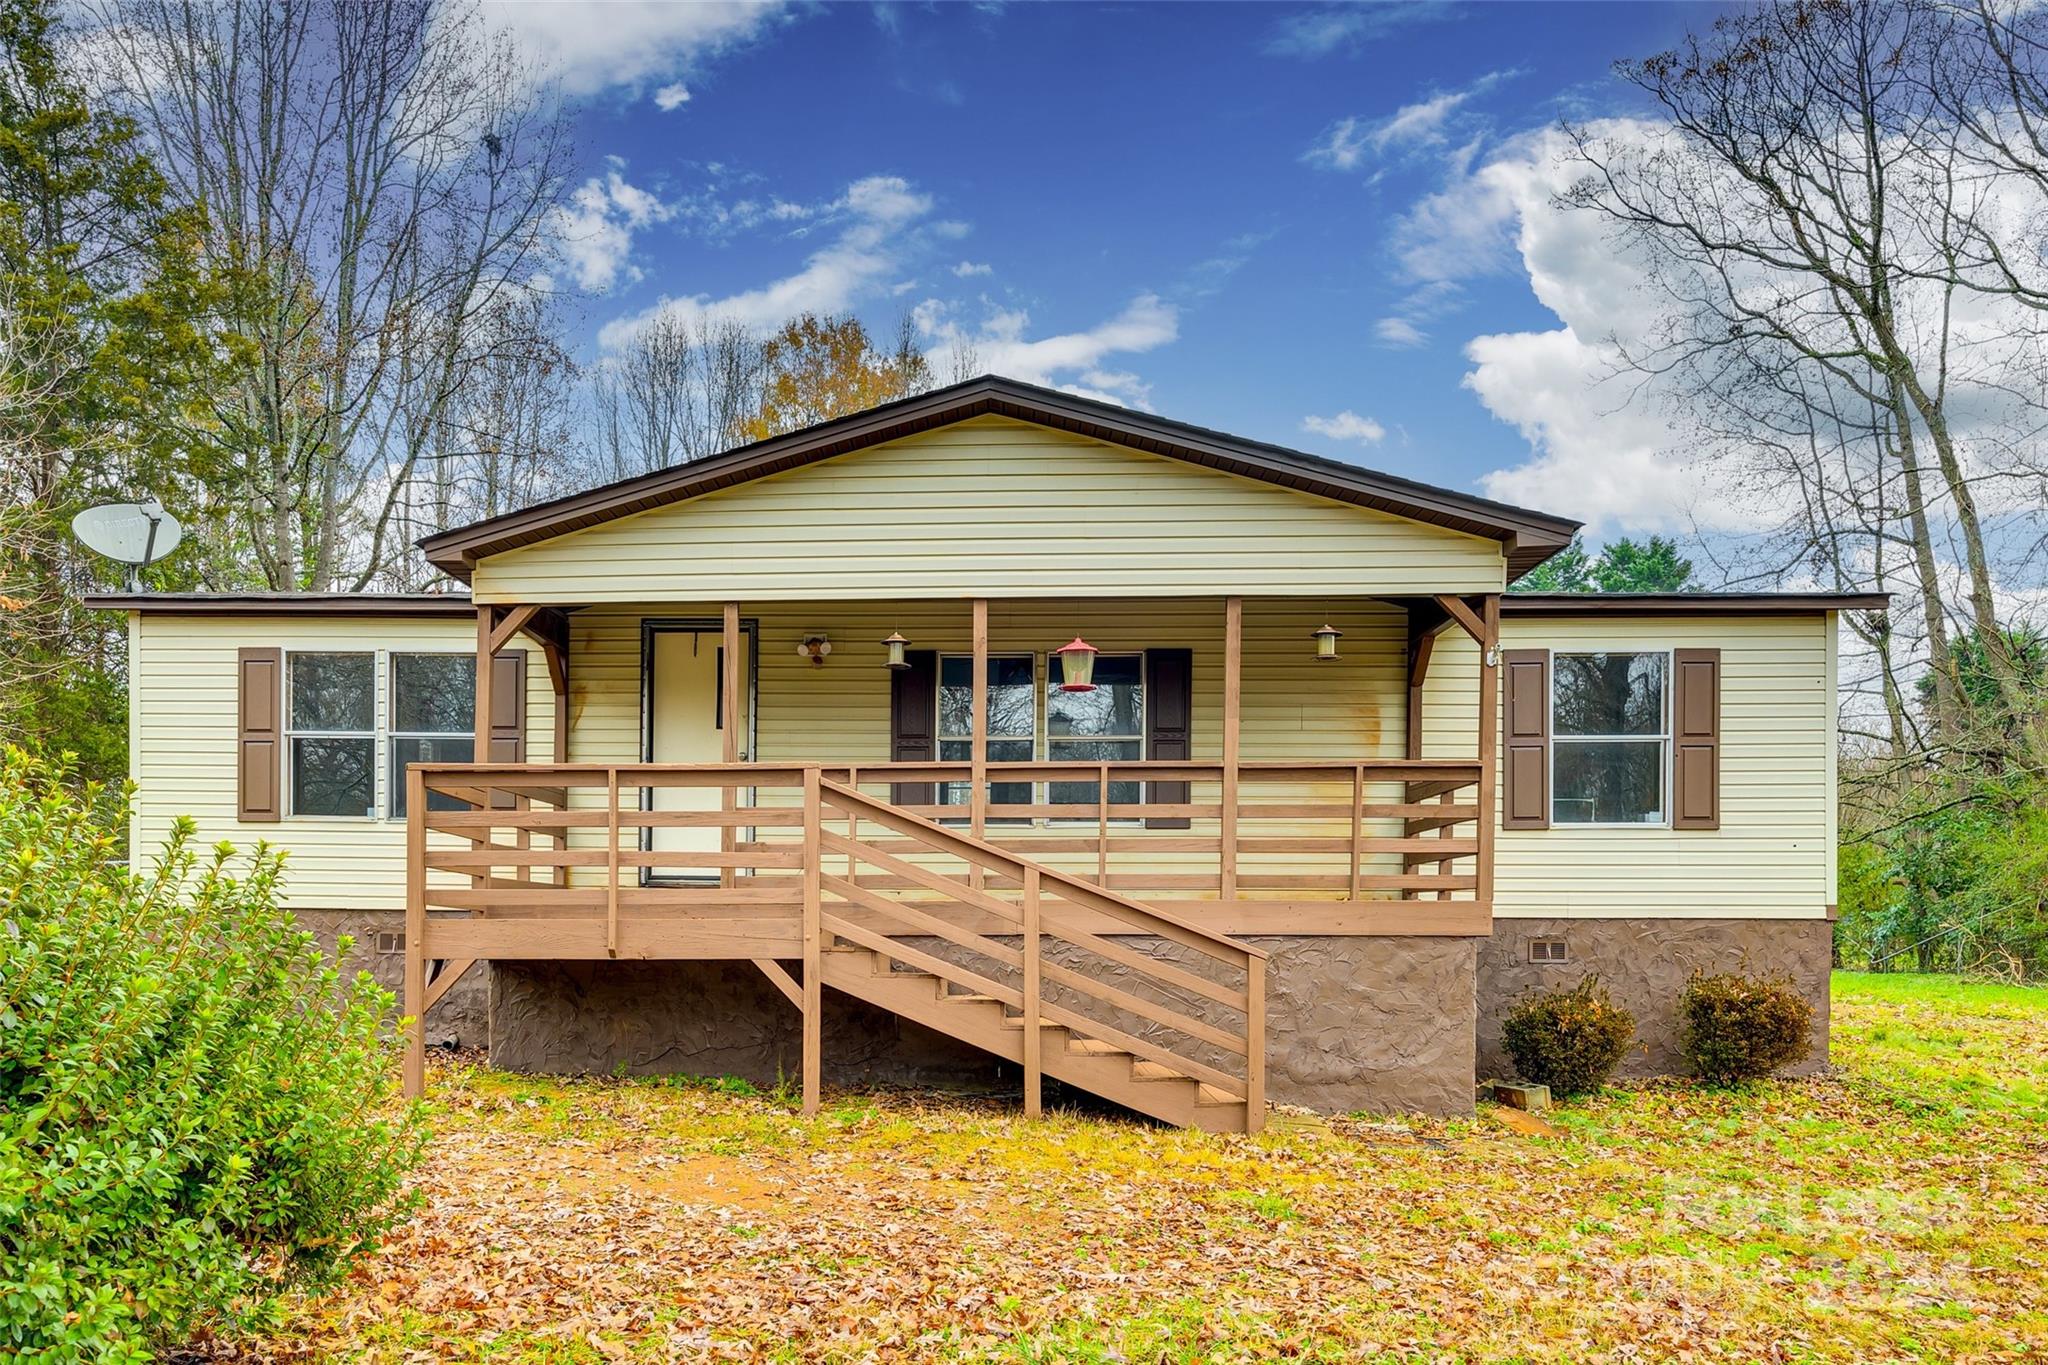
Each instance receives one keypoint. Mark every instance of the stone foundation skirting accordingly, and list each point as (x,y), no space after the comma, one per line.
(462,1015)
(1644,964)
(1379,1024)
(1374,1024)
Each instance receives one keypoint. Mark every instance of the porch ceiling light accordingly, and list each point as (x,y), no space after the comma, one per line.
(1077,665)
(897,644)
(814,648)
(1327,636)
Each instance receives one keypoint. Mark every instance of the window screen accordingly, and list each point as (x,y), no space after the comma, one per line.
(332,728)
(1610,718)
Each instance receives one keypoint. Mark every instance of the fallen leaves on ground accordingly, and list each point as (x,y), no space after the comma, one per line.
(1897,1210)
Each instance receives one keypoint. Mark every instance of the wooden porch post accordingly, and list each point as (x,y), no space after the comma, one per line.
(486,649)
(978,741)
(1489,727)
(1233,706)
(814,995)
(416,931)
(729,725)
(1033,1041)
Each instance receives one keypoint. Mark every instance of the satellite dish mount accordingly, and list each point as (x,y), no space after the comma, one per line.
(136,534)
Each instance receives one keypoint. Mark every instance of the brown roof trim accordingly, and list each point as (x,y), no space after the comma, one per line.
(1688,603)
(286,603)
(1528,537)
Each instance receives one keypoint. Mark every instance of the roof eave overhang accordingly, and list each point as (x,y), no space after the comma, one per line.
(1690,603)
(1527,537)
(284,604)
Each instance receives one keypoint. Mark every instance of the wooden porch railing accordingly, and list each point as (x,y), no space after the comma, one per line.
(553,861)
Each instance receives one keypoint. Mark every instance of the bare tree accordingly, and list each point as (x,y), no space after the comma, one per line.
(1806,222)
(677,390)
(377,180)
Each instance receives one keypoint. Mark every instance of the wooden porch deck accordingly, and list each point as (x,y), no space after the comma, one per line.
(1015,926)
(1016,941)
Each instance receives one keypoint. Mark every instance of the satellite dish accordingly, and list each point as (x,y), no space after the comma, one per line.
(137,534)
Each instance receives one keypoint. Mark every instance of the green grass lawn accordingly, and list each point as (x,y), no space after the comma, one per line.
(1895,1211)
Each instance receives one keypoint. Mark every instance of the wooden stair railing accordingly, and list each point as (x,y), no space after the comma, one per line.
(1143,1039)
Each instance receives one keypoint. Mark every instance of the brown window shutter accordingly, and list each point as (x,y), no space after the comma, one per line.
(1525,739)
(1169,712)
(259,740)
(1696,739)
(914,721)
(508,707)
(508,716)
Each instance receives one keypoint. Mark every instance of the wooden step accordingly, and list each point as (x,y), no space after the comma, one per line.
(1095,1047)
(1154,1071)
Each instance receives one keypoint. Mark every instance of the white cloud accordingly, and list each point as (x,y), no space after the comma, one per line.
(1346,426)
(1399,333)
(629,43)
(1593,453)
(1070,360)
(672,97)
(1319,32)
(594,230)
(969,269)
(1626,451)
(881,217)
(1422,125)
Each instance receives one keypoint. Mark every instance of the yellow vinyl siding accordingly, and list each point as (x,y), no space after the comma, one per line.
(1294,708)
(182,746)
(1772,857)
(1000,509)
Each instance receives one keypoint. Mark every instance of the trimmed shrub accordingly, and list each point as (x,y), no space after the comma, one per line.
(1735,1028)
(196,1111)
(1570,1040)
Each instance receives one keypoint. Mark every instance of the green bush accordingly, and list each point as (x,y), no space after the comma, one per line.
(1735,1028)
(196,1111)
(1570,1040)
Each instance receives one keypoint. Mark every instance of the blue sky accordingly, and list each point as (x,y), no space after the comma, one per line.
(1253,217)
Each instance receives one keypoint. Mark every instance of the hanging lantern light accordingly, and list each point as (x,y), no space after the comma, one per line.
(1077,665)
(897,644)
(1326,642)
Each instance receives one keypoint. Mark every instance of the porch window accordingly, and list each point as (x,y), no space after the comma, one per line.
(1012,722)
(1610,736)
(331,726)
(1103,726)
(433,720)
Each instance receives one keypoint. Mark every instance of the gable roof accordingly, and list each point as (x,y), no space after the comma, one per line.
(1527,537)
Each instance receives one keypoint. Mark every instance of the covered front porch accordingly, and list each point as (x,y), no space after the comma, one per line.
(754,782)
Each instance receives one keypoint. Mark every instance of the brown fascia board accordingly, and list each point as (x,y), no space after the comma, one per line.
(1527,537)
(286,603)
(1688,603)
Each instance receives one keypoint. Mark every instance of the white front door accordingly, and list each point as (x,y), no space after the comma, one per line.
(684,703)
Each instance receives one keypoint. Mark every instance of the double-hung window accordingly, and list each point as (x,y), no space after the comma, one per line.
(1610,738)
(331,725)
(337,742)
(433,720)
(1012,722)
(1103,726)
(1106,725)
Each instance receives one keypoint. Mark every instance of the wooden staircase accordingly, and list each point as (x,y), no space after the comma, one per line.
(1092,1064)
(1096,1013)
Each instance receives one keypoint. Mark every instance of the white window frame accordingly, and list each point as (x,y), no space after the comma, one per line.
(390,734)
(374,734)
(1662,738)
